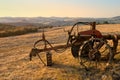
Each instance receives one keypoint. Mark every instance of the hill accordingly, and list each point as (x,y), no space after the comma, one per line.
(54,21)
(11,30)
(15,64)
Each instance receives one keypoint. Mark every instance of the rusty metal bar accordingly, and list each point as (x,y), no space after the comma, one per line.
(105,36)
(53,48)
(93,25)
(110,36)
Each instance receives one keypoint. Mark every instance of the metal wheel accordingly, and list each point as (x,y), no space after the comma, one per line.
(95,53)
(75,50)
(74,37)
(76,28)
(40,44)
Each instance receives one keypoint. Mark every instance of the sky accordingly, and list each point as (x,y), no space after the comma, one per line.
(59,8)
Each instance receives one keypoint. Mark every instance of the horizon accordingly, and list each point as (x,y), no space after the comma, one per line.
(53,17)
(60,8)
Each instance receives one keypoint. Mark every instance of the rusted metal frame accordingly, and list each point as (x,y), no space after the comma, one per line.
(93,25)
(115,39)
(82,37)
(115,44)
(110,36)
(53,48)
(48,54)
(106,37)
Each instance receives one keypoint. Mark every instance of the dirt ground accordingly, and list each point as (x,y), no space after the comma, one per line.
(15,64)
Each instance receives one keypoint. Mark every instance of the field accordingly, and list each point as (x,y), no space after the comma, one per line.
(7,30)
(15,64)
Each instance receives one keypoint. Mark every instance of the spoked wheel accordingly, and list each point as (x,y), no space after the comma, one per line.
(39,45)
(95,53)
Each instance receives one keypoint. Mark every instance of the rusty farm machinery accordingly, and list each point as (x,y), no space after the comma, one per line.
(89,46)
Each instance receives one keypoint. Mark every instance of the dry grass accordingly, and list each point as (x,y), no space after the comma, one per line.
(15,64)
(6,31)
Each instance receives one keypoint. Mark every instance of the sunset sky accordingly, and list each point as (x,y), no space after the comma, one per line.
(59,8)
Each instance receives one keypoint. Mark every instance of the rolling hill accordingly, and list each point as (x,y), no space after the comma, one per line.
(54,21)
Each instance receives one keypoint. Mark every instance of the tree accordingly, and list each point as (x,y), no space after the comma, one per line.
(105,22)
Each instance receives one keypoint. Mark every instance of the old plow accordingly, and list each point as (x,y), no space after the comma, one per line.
(91,47)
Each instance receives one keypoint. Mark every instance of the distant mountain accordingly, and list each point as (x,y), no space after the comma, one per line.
(54,21)
(117,17)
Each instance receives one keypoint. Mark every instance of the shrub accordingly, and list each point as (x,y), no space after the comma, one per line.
(17,31)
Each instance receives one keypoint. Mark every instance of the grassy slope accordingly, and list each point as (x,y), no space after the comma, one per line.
(15,64)
(9,30)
